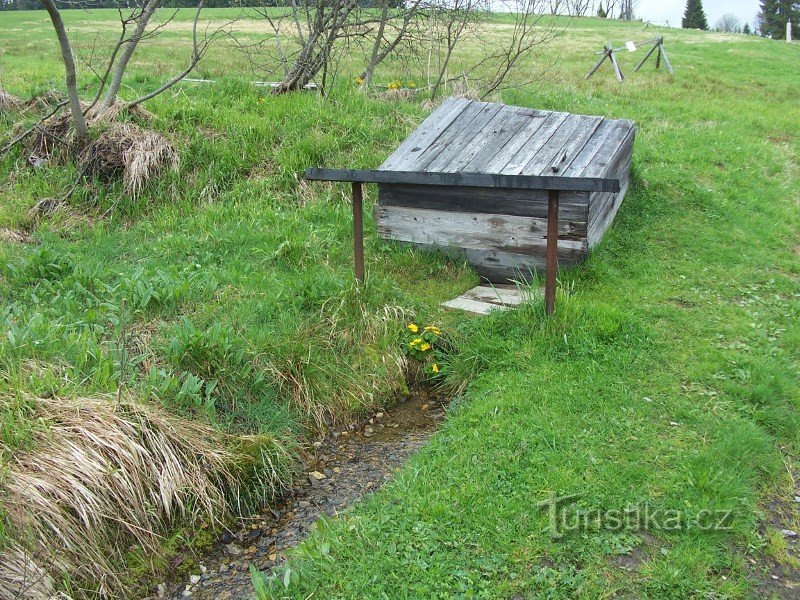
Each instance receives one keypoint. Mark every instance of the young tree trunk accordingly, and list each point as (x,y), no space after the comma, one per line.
(78,120)
(127,53)
(379,52)
(376,47)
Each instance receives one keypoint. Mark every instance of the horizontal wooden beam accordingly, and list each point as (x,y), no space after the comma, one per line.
(486,180)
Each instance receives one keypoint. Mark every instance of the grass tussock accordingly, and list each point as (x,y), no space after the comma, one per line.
(9,102)
(44,101)
(12,236)
(128,151)
(121,150)
(102,475)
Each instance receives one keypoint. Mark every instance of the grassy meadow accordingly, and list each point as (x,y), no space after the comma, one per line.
(224,294)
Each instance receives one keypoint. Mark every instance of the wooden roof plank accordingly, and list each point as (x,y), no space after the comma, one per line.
(427,132)
(608,150)
(555,163)
(542,136)
(589,147)
(451,159)
(505,125)
(600,141)
(547,153)
(493,159)
(452,133)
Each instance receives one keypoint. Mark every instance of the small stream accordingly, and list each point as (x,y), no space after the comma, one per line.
(347,464)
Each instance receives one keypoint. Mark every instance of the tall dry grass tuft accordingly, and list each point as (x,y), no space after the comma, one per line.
(122,149)
(9,102)
(103,475)
(138,155)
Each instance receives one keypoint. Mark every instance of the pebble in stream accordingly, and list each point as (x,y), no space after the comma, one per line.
(348,465)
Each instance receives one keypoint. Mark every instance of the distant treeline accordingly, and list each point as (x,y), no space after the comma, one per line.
(62,4)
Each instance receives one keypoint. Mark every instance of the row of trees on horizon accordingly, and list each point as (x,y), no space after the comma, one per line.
(769,22)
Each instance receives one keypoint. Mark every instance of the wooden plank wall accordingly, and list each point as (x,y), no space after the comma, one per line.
(523,203)
(603,206)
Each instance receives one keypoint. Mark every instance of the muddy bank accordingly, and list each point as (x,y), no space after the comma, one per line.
(347,464)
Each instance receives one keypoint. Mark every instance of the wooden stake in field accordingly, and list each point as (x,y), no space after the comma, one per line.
(608,53)
(662,55)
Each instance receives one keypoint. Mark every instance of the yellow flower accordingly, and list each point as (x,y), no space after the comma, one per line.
(413,327)
(434,329)
(359,81)
(424,347)
(435,368)
(415,342)
(412,85)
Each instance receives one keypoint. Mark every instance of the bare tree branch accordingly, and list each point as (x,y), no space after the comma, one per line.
(198,51)
(129,47)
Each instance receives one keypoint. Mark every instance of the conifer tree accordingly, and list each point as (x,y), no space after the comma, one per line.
(695,17)
(775,14)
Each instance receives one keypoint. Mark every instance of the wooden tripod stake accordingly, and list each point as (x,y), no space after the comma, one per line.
(662,55)
(608,53)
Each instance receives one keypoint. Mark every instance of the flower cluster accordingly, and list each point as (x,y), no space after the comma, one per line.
(397,84)
(421,345)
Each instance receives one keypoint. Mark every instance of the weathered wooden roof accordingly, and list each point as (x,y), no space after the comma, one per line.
(482,137)
(483,144)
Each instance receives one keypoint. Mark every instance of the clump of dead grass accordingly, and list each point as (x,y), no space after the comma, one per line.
(105,474)
(9,102)
(123,149)
(47,100)
(128,151)
(11,236)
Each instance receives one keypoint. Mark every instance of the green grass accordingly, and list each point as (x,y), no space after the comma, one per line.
(669,376)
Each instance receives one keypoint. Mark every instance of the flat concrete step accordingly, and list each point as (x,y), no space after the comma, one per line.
(482,299)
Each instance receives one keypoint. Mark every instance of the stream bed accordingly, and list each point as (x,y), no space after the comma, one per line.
(347,464)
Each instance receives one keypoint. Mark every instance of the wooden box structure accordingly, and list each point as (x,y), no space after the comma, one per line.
(502,230)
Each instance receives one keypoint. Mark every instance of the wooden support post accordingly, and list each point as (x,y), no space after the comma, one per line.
(599,62)
(617,70)
(358,231)
(646,56)
(663,54)
(551,260)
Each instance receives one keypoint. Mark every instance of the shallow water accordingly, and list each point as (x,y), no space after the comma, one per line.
(347,464)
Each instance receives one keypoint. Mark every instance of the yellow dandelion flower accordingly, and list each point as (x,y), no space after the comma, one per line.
(433,329)
(415,342)
(435,368)
(413,327)
(359,81)
(425,347)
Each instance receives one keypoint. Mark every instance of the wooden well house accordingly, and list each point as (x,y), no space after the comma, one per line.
(500,185)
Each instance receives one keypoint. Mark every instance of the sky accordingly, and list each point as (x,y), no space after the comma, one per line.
(672,10)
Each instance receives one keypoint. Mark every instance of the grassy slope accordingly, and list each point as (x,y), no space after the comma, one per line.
(691,302)
(671,378)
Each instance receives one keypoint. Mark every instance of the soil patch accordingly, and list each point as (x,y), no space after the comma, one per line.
(776,574)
